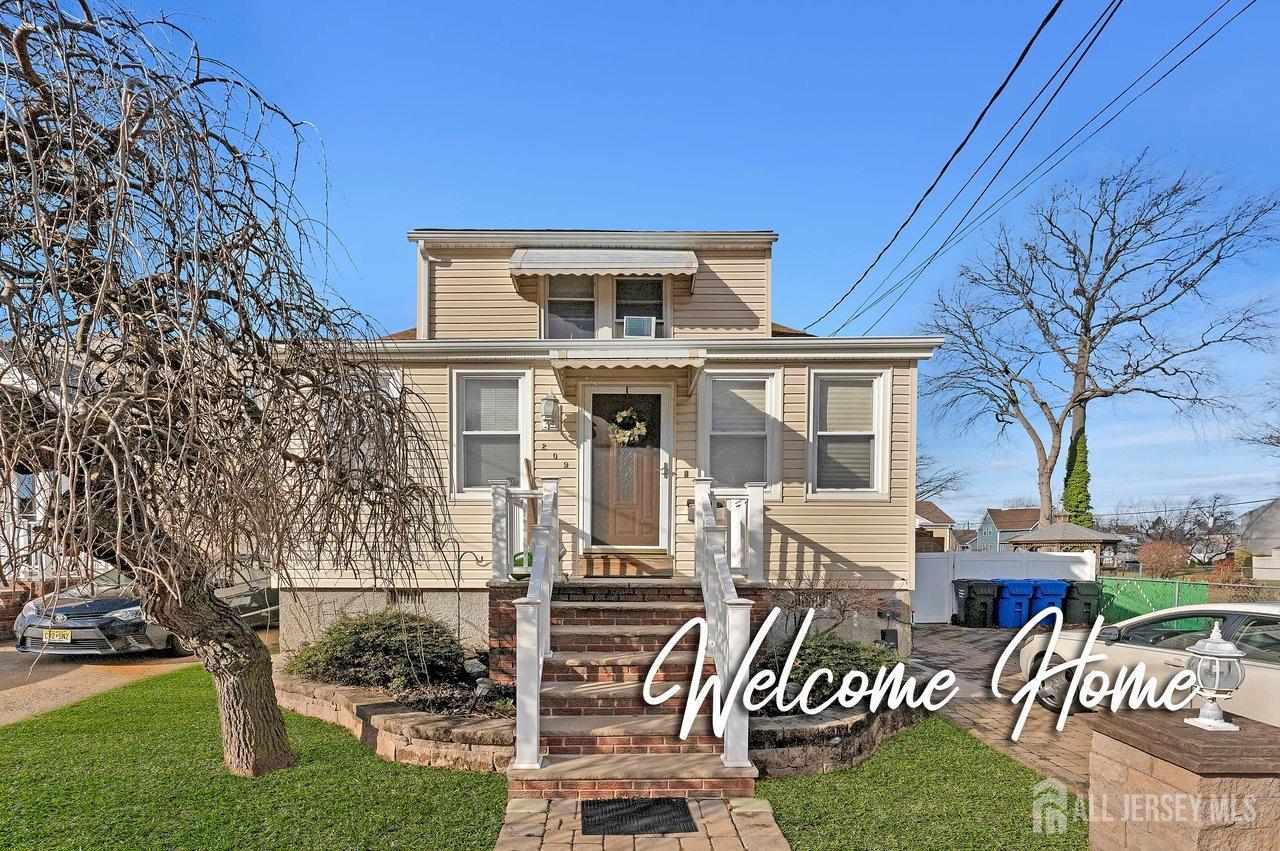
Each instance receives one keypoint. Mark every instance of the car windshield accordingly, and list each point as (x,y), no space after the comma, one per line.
(108,583)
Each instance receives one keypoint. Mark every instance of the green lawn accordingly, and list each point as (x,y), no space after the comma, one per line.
(141,767)
(933,786)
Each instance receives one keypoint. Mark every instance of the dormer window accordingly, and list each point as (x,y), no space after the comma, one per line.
(639,297)
(571,307)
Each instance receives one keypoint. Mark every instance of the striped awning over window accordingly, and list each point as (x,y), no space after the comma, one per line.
(602,261)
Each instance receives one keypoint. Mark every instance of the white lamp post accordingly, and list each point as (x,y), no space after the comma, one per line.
(1216,664)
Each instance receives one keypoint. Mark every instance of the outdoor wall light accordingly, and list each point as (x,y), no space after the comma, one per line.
(549,410)
(1216,664)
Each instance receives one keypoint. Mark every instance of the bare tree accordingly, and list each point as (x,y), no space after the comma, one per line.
(167,365)
(935,479)
(1264,430)
(1207,526)
(1107,295)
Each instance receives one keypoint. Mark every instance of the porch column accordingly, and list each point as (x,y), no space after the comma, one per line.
(528,684)
(755,532)
(500,530)
(737,639)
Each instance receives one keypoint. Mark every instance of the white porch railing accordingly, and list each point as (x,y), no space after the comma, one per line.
(533,611)
(744,537)
(728,615)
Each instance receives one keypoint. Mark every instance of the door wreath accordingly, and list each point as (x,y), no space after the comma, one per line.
(628,428)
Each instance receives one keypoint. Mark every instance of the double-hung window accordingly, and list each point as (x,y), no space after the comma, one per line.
(639,297)
(571,307)
(739,422)
(488,418)
(845,453)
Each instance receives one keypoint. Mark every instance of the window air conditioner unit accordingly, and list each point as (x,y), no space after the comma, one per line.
(639,326)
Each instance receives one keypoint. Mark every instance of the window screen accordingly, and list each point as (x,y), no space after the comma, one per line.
(639,297)
(739,434)
(571,307)
(844,434)
(490,439)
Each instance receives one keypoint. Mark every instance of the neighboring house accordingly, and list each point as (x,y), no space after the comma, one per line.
(932,519)
(965,538)
(1260,528)
(1000,524)
(530,343)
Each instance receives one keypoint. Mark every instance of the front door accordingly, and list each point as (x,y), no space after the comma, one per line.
(627,471)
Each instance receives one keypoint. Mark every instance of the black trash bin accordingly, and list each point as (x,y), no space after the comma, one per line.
(975,602)
(1083,602)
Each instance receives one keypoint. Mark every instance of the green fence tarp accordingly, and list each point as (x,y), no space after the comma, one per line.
(1126,598)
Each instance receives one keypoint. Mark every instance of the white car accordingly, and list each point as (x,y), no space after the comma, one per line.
(1161,640)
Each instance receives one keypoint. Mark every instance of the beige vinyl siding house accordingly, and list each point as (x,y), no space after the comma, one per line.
(512,322)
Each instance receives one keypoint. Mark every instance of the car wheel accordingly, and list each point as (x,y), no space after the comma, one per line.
(1052,693)
(176,646)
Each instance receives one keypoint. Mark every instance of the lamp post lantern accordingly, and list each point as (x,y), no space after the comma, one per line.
(1216,664)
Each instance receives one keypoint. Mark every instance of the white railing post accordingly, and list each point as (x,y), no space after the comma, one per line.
(501,530)
(701,499)
(528,685)
(737,638)
(755,532)
(737,543)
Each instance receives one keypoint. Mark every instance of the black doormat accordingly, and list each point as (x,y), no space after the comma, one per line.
(632,816)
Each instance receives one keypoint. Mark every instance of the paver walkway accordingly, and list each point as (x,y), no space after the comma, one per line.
(739,824)
(972,655)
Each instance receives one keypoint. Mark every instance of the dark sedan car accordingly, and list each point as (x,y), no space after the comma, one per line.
(106,618)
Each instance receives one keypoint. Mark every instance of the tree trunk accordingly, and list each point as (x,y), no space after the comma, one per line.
(254,741)
(1044,479)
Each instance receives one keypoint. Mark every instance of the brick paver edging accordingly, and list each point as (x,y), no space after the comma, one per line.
(399,734)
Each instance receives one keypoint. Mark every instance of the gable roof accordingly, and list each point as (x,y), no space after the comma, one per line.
(931,513)
(406,334)
(965,536)
(1014,519)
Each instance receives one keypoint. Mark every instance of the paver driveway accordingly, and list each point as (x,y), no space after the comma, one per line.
(972,655)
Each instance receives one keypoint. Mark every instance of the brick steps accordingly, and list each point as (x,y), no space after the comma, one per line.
(632,776)
(609,698)
(621,734)
(622,667)
(599,638)
(607,613)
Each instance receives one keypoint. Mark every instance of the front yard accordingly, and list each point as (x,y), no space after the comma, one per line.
(141,767)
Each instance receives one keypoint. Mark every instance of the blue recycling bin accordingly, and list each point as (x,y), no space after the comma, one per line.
(1048,594)
(1013,606)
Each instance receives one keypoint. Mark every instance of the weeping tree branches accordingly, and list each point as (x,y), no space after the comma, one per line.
(1108,294)
(166,363)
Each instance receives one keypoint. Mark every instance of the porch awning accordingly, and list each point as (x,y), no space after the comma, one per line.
(602,261)
(569,371)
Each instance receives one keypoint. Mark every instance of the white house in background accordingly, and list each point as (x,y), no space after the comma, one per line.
(1000,524)
(1260,528)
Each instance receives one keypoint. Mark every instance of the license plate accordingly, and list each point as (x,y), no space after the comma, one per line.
(56,636)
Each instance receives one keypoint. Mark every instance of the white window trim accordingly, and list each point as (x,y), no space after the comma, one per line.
(544,307)
(773,423)
(880,419)
(525,395)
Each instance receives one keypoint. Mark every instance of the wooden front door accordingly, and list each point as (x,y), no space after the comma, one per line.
(626,470)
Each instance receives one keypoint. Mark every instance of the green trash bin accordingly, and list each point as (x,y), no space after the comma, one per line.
(1083,602)
(975,602)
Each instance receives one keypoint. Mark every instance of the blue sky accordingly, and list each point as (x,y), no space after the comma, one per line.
(823,121)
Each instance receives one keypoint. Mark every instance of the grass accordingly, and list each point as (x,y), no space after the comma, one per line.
(141,767)
(933,786)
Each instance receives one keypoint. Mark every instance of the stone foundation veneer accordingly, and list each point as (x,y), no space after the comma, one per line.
(1153,753)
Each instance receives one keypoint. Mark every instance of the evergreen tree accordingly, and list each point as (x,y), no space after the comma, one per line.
(1075,486)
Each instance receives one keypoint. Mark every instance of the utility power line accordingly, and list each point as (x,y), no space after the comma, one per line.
(1166,511)
(1099,25)
(905,283)
(990,102)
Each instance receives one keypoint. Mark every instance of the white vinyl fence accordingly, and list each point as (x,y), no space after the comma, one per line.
(934,600)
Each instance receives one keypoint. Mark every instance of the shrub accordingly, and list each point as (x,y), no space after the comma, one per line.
(840,655)
(1163,558)
(390,649)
